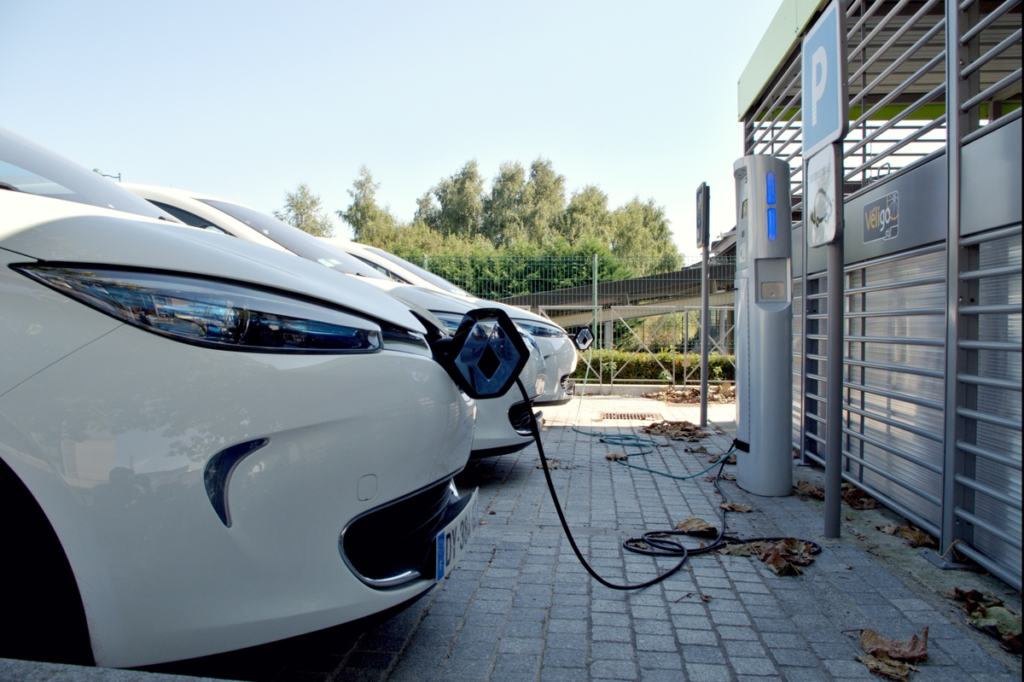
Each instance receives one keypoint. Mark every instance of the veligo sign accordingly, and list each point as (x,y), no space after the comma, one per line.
(882,218)
(898,213)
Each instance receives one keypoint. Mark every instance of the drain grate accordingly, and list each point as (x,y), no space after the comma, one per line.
(630,416)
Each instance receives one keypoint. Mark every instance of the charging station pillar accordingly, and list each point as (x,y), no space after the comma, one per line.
(764,326)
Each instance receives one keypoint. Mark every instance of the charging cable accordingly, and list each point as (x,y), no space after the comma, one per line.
(663,543)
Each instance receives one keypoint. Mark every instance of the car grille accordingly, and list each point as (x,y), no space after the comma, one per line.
(394,544)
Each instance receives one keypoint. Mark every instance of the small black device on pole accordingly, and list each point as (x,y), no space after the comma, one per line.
(703,241)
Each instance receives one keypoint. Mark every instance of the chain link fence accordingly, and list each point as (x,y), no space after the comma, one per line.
(646,320)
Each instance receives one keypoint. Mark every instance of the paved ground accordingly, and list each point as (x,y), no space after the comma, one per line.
(519,607)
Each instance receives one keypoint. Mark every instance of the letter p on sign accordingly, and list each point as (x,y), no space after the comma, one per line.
(823,84)
(819,76)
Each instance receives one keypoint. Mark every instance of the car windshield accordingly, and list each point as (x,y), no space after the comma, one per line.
(31,168)
(417,270)
(295,240)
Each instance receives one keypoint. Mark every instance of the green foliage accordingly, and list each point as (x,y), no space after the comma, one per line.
(642,366)
(370,223)
(459,208)
(641,229)
(523,209)
(303,209)
(587,216)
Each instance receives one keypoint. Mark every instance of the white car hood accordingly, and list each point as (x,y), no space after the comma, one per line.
(57,230)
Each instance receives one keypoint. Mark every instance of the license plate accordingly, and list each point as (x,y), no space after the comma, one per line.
(453,540)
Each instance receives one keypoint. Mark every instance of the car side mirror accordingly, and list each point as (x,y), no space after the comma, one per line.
(485,355)
(584,338)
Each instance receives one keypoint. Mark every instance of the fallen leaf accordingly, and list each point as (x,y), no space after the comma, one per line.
(736,507)
(847,518)
(698,527)
(700,449)
(783,557)
(860,537)
(810,489)
(616,456)
(998,621)
(912,650)
(1013,644)
(639,544)
(883,666)
(552,464)
(726,476)
(915,536)
(973,599)
(857,498)
(682,430)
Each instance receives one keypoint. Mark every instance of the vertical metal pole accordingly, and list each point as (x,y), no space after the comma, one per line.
(834,363)
(705,330)
(425,262)
(956,122)
(600,372)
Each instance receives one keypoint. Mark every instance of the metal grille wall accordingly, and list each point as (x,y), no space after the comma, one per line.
(932,372)
(894,368)
(988,443)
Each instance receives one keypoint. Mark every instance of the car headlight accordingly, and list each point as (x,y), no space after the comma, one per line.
(541,329)
(215,314)
(451,320)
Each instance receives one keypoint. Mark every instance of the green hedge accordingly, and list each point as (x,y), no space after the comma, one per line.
(643,366)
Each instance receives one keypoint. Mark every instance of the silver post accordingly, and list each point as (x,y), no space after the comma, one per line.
(834,368)
(705,330)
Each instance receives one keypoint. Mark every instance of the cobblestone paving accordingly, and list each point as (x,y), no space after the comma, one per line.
(520,608)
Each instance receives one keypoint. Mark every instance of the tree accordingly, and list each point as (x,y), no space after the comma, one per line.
(303,209)
(543,202)
(640,229)
(460,204)
(370,222)
(587,215)
(502,211)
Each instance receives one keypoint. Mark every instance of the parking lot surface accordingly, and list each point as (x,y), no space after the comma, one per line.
(520,608)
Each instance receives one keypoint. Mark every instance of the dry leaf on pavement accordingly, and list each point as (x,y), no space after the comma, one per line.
(682,430)
(615,456)
(988,614)
(783,557)
(857,498)
(736,507)
(883,666)
(698,527)
(915,536)
(810,489)
(913,650)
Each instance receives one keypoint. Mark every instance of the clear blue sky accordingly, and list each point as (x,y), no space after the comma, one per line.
(247,99)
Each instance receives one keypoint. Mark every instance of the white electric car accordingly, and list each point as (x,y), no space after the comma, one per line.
(206,444)
(502,424)
(557,348)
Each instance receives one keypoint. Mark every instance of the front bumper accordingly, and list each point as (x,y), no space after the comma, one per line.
(112,441)
(560,360)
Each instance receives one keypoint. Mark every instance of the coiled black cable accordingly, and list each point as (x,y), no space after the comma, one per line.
(662,541)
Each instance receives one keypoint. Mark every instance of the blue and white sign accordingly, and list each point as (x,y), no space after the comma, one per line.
(825,109)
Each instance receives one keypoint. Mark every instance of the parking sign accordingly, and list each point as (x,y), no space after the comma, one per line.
(824,105)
